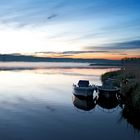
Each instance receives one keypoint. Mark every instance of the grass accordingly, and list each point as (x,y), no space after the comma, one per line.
(128,79)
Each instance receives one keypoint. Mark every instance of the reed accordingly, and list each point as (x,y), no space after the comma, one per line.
(128,79)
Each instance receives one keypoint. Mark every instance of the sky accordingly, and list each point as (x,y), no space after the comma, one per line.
(71,28)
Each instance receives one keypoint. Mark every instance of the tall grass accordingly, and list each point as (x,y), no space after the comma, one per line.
(128,78)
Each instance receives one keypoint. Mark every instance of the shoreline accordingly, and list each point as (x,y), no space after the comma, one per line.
(128,79)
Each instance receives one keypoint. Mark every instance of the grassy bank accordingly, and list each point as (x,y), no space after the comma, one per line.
(128,79)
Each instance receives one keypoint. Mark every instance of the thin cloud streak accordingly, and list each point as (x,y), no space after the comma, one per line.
(52,16)
(75,54)
(72,52)
(129,45)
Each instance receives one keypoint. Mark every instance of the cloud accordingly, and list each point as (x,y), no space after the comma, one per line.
(82,52)
(128,45)
(50,52)
(135,44)
(67,53)
(52,16)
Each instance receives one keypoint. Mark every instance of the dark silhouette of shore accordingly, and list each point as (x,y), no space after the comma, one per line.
(30,58)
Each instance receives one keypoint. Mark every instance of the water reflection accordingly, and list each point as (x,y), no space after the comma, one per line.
(130,111)
(85,104)
(107,101)
(37,104)
(132,117)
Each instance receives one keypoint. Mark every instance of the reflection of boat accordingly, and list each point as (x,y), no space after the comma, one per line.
(107,102)
(83,88)
(85,104)
(132,116)
(108,88)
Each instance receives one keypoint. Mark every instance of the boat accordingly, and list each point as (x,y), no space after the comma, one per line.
(113,90)
(83,88)
(108,88)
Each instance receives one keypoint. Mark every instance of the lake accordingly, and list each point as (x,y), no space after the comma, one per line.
(38,104)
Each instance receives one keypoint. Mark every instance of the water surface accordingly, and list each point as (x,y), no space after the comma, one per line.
(38,105)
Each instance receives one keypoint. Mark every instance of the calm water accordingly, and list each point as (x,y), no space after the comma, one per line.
(39,105)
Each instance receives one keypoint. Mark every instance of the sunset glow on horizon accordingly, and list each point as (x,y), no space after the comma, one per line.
(96,55)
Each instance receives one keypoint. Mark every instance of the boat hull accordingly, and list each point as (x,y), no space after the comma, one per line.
(105,90)
(83,91)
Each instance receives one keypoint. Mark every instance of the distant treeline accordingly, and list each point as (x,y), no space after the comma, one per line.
(27,58)
(131,60)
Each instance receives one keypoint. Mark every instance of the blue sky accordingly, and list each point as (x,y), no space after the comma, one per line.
(69,25)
